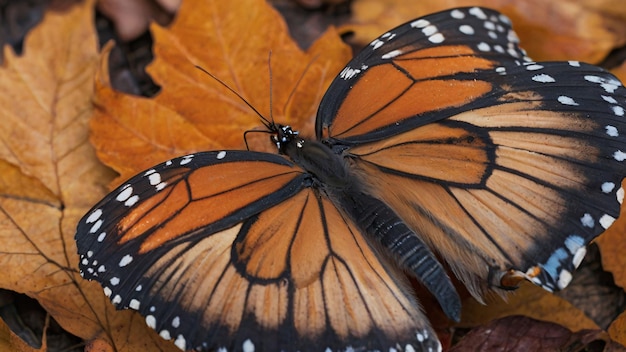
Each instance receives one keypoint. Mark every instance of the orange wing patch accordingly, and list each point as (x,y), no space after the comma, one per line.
(434,151)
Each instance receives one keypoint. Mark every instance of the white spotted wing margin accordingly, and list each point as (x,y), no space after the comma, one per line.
(237,251)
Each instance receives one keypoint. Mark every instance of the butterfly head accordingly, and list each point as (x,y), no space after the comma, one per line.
(283,136)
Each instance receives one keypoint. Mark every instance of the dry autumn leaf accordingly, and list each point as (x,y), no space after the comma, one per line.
(49,177)
(521,334)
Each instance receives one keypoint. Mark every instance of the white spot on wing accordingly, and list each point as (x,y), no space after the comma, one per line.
(248,346)
(608,84)
(116,300)
(429,30)
(458,14)
(543,78)
(180,342)
(421,23)
(611,131)
(154,178)
(607,187)
(151,321)
(574,63)
(134,304)
(391,54)
(115,281)
(565,100)
(587,220)
(618,110)
(96,226)
(186,159)
(606,221)
(534,67)
(165,334)
(565,277)
(107,291)
(349,73)
(476,11)
(131,201)
(95,215)
(619,155)
(125,194)
(376,43)
(436,38)
(578,256)
(101,237)
(482,46)
(221,155)
(125,260)
(609,99)
(466,29)
(620,195)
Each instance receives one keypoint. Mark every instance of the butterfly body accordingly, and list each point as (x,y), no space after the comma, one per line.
(440,140)
(333,177)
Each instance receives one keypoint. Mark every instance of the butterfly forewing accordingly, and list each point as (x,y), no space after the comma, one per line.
(235,250)
(424,68)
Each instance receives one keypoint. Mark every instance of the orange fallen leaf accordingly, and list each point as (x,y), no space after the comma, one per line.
(612,244)
(193,112)
(617,330)
(549,30)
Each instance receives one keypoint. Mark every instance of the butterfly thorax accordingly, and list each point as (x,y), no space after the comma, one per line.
(315,157)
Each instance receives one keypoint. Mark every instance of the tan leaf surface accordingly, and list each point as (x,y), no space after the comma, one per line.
(549,30)
(193,112)
(49,175)
(531,301)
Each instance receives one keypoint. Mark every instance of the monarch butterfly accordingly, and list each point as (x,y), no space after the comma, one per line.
(441,139)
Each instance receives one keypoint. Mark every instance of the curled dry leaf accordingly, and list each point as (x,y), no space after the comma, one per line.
(193,112)
(549,30)
(528,300)
(518,333)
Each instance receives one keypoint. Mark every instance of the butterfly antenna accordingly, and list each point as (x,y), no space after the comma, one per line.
(304,72)
(266,122)
(269,68)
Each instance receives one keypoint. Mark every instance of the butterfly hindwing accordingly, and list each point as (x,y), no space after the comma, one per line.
(236,250)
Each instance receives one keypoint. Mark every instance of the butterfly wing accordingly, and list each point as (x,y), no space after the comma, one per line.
(236,250)
(428,64)
(506,168)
